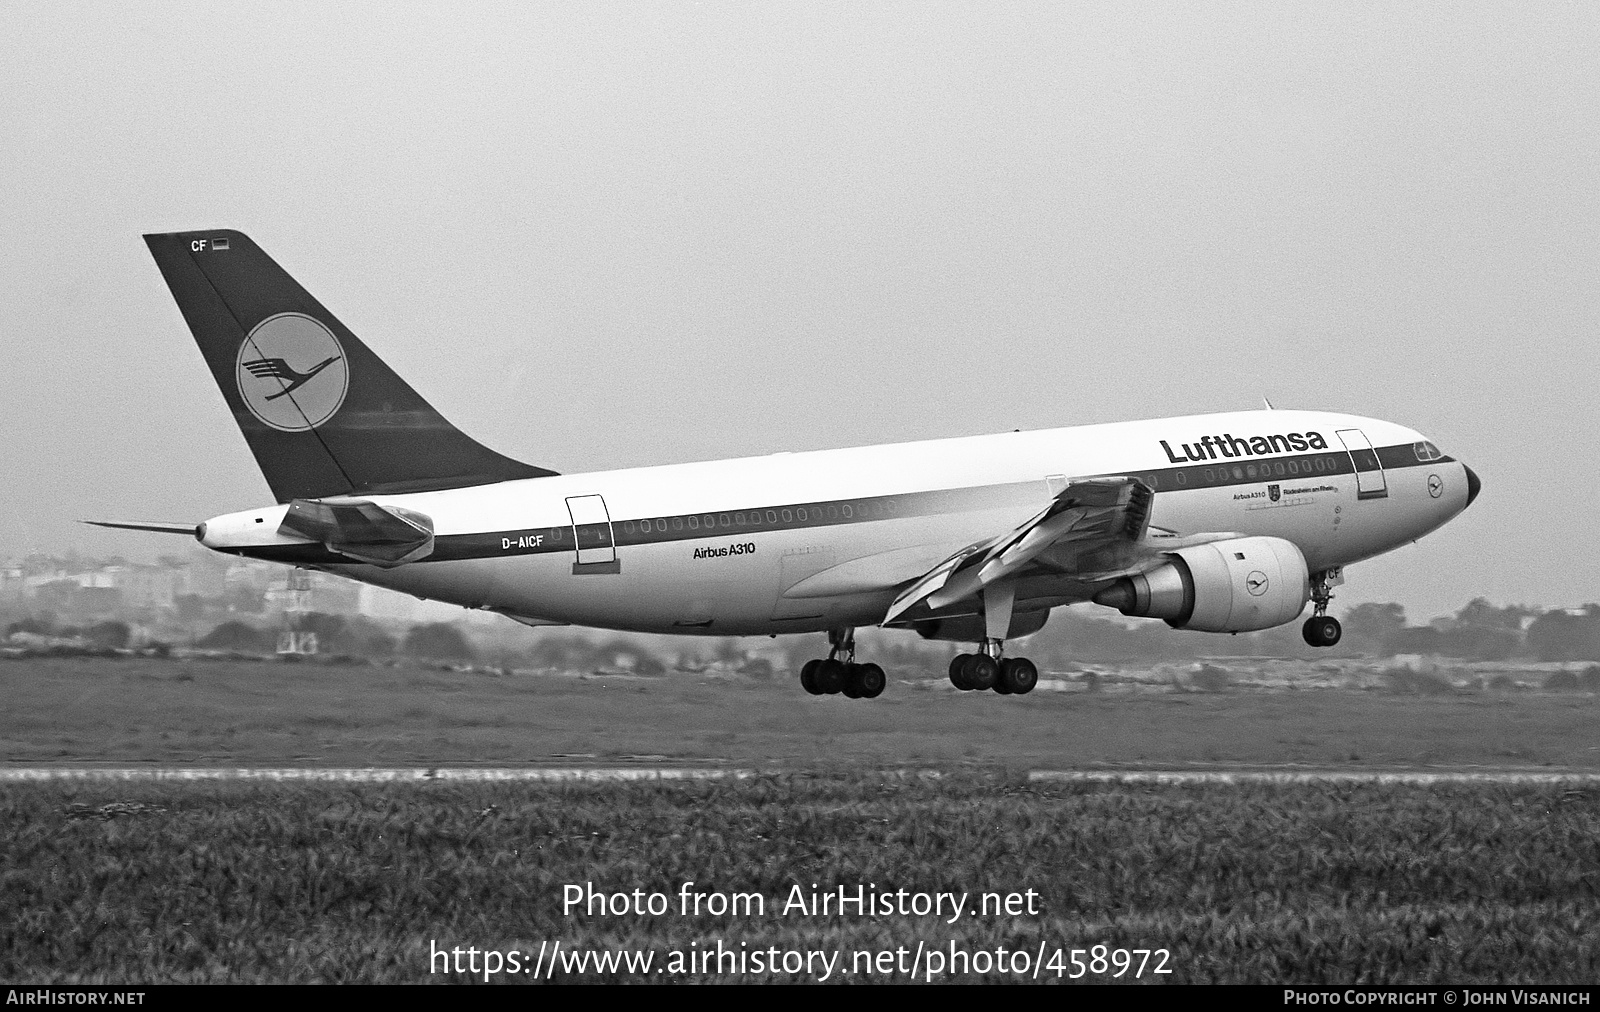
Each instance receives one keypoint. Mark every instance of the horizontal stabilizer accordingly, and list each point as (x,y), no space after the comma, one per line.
(159,527)
(362,529)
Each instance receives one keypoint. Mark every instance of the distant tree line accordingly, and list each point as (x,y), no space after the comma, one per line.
(101,635)
(337,634)
(1480,631)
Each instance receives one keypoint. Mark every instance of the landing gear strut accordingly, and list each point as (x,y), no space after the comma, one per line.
(1322,629)
(1010,676)
(832,676)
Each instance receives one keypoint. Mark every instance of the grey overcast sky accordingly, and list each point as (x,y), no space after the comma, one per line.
(601,235)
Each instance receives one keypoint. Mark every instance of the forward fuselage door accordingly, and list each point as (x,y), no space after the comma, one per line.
(591,532)
(1370,483)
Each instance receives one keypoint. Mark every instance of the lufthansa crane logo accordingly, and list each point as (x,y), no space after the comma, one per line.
(1435,486)
(1256,583)
(292,372)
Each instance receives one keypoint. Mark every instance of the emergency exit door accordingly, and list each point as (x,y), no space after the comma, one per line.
(591,533)
(1370,483)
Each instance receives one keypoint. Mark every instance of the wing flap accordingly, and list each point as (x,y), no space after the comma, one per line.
(1094,512)
(929,583)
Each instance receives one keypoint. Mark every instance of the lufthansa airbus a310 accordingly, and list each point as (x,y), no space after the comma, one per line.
(1222,523)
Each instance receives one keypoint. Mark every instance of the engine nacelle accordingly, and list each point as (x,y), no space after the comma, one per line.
(971,628)
(1238,585)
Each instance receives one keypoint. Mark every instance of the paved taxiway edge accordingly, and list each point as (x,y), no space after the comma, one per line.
(1417,777)
(603,774)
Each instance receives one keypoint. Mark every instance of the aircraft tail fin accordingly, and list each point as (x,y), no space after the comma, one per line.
(322,414)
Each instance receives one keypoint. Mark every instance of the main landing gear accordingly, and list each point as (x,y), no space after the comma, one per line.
(832,676)
(1011,676)
(1322,629)
(839,673)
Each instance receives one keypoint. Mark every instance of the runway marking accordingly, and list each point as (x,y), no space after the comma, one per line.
(369,775)
(605,774)
(1419,778)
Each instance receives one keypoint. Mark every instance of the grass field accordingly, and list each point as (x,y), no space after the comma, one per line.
(1240,884)
(159,881)
(244,713)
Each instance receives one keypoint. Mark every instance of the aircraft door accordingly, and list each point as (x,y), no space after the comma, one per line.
(591,532)
(1370,483)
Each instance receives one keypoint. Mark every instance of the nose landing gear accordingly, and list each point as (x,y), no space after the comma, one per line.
(1322,629)
(832,676)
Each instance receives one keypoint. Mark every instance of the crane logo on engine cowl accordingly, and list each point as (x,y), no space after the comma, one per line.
(292,373)
(1256,583)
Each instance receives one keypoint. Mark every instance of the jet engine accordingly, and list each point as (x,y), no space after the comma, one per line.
(1237,585)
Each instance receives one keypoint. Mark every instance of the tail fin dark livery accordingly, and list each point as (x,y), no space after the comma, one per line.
(322,414)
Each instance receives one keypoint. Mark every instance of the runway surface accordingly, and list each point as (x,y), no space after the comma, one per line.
(1280,776)
(419,774)
(576,774)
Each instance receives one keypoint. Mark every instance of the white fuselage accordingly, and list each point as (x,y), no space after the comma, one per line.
(797,542)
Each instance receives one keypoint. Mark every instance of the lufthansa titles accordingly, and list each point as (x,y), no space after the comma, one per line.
(1229,445)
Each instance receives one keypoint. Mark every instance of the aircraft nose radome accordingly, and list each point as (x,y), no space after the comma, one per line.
(1474,486)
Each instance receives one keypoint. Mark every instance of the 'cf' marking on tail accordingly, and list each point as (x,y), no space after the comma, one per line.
(277,368)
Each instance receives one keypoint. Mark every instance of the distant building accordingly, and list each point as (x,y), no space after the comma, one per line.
(151,586)
(205,577)
(13,589)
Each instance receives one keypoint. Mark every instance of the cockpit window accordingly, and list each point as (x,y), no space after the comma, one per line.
(1426,451)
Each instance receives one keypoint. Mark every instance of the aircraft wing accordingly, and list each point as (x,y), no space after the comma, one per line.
(1089,516)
